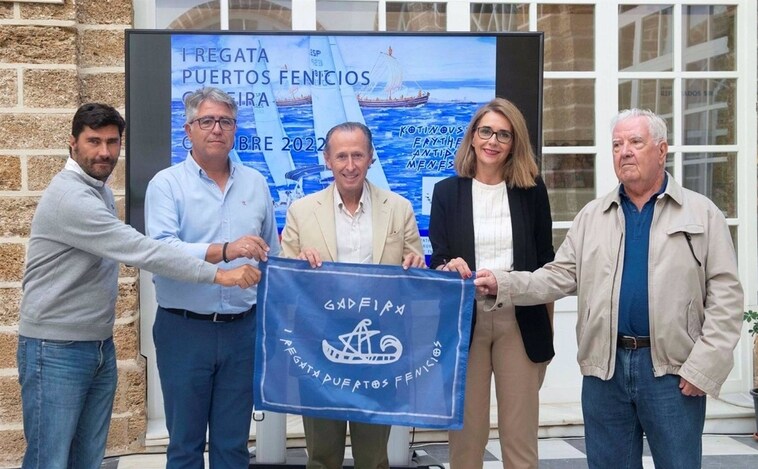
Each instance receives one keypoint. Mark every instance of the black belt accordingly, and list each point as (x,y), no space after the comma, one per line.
(215,317)
(632,343)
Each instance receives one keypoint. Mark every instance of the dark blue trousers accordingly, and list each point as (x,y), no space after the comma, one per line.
(206,372)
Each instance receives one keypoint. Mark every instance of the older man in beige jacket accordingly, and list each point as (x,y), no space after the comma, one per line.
(659,304)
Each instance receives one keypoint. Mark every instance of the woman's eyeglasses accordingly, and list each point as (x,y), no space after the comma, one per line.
(502,136)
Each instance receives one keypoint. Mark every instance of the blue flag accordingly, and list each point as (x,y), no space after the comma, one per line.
(362,342)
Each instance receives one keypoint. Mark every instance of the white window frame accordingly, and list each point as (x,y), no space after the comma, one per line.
(606,77)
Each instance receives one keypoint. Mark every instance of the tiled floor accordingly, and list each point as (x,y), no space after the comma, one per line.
(719,451)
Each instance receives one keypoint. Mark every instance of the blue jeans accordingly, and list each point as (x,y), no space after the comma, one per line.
(67,390)
(634,402)
(206,372)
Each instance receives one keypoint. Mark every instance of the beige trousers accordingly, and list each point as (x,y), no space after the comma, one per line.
(325,442)
(497,348)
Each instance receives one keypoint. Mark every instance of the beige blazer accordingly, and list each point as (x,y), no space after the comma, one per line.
(310,224)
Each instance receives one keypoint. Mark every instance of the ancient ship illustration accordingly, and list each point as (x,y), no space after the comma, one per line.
(294,95)
(357,347)
(387,73)
(293,100)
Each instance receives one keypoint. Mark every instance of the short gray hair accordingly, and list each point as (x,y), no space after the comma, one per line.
(192,101)
(655,124)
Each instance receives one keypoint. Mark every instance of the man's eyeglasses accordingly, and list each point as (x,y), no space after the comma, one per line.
(357,157)
(207,123)
(502,136)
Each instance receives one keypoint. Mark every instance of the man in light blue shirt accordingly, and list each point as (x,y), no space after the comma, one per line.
(220,211)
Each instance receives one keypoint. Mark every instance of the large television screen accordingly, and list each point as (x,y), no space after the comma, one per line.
(416,92)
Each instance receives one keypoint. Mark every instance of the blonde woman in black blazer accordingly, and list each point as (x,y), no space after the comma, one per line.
(497,212)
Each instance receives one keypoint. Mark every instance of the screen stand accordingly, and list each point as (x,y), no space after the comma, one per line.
(270,437)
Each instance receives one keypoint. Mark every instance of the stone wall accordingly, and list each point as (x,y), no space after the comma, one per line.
(54,57)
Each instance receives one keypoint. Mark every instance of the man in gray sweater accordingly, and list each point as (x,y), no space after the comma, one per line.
(66,357)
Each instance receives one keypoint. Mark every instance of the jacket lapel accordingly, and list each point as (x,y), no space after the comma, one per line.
(380,220)
(465,221)
(324,214)
(519,213)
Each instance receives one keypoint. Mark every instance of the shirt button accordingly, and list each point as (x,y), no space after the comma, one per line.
(500,305)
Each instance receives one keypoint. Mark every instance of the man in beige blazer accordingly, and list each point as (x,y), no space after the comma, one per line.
(353,221)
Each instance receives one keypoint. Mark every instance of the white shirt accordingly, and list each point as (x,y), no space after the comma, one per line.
(353,230)
(493,233)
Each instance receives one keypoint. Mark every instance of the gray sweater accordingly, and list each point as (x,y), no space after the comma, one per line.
(77,241)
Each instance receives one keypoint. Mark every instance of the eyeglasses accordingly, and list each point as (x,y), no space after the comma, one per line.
(502,136)
(208,122)
(357,157)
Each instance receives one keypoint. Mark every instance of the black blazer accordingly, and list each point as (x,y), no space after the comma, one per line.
(451,232)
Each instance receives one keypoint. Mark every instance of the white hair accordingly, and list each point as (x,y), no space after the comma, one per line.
(656,125)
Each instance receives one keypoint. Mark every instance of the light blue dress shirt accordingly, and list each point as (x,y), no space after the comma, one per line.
(185,208)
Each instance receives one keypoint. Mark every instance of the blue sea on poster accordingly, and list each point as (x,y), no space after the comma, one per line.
(416,94)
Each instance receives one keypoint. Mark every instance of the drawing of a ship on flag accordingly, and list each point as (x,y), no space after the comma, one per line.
(357,347)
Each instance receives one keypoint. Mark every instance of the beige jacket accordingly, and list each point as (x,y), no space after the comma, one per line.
(310,224)
(695,310)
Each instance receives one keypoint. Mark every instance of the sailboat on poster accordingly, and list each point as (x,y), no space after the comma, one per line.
(336,103)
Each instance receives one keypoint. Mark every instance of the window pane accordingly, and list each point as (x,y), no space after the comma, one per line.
(499,17)
(558,236)
(569,36)
(709,111)
(655,95)
(709,36)
(645,38)
(337,15)
(187,14)
(244,15)
(416,16)
(570,180)
(568,116)
(715,176)
(260,15)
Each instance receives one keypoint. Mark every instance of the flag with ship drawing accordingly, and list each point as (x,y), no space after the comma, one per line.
(368,343)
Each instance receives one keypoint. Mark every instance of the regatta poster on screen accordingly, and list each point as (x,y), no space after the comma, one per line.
(369,343)
(416,94)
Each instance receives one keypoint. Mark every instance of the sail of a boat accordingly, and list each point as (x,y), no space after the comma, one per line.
(391,69)
(336,103)
(269,124)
